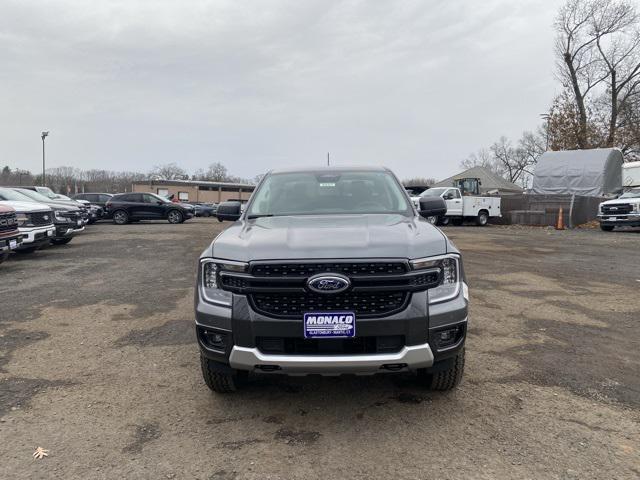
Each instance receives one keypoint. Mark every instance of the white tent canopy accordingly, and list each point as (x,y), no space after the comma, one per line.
(592,173)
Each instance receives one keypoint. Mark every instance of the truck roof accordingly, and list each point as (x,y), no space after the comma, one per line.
(331,169)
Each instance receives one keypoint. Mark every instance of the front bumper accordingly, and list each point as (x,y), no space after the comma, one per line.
(66,230)
(32,236)
(630,220)
(409,358)
(11,242)
(419,324)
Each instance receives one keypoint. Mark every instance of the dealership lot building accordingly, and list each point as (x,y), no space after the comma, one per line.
(197,191)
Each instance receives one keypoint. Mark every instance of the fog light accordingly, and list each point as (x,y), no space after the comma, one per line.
(449,337)
(216,340)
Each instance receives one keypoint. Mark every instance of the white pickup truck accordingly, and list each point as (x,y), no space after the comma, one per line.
(463,207)
(624,211)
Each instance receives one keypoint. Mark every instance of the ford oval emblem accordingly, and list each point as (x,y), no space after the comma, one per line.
(328,283)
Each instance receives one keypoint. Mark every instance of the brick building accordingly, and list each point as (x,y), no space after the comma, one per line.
(196,191)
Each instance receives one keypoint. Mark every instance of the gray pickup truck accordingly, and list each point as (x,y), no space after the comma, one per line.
(331,271)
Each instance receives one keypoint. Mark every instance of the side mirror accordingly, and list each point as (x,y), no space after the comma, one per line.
(432,207)
(229,211)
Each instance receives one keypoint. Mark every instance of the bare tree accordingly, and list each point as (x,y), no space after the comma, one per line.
(16,176)
(615,28)
(419,182)
(217,172)
(578,67)
(169,171)
(513,163)
(481,158)
(597,45)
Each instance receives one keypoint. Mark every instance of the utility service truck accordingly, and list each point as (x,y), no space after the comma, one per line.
(463,203)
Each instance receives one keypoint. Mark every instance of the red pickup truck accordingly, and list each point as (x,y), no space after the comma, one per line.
(10,237)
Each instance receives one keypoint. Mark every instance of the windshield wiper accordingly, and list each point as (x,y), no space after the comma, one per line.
(259,215)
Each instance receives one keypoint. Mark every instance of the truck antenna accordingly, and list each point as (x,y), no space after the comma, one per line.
(327,159)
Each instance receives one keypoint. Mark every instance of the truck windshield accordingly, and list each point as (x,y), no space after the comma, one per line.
(47,192)
(433,192)
(34,196)
(12,195)
(331,192)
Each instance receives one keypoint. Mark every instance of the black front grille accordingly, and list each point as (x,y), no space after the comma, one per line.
(619,209)
(311,268)
(8,222)
(412,281)
(72,217)
(330,346)
(363,304)
(39,219)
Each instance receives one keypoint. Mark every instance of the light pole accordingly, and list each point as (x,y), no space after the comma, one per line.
(44,134)
(547,118)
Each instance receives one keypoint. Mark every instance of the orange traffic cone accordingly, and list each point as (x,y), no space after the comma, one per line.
(560,222)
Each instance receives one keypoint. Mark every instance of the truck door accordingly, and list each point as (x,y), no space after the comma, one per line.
(453,200)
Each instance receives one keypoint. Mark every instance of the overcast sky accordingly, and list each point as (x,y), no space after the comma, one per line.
(414,85)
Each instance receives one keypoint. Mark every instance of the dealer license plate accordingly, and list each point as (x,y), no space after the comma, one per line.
(612,219)
(13,244)
(329,325)
(49,233)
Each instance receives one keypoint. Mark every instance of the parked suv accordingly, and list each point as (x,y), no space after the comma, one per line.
(10,237)
(126,207)
(35,224)
(331,272)
(99,199)
(624,211)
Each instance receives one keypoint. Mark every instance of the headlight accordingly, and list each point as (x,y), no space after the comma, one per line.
(23,219)
(210,279)
(451,276)
(60,216)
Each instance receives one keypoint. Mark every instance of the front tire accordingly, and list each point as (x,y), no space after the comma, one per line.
(450,378)
(174,216)
(217,381)
(482,219)
(606,228)
(120,217)
(432,220)
(444,221)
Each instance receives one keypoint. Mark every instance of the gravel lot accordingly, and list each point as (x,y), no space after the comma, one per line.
(98,364)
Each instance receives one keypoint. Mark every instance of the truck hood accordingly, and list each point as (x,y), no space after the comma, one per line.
(26,207)
(620,201)
(328,236)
